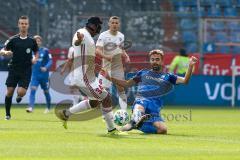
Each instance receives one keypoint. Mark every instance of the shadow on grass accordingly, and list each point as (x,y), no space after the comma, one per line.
(181,135)
(37,120)
(129,136)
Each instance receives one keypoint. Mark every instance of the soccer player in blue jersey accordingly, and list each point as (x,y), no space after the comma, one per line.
(152,85)
(40,75)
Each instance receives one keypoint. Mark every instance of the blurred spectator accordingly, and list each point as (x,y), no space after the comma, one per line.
(180,63)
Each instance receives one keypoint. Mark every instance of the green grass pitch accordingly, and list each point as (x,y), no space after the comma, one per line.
(202,134)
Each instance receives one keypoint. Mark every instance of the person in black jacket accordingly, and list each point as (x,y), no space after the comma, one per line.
(20,48)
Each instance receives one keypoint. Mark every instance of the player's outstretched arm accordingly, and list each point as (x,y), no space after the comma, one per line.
(185,80)
(67,66)
(119,82)
(99,52)
(123,83)
(125,56)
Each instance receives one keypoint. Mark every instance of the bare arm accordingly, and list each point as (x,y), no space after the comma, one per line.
(123,83)
(99,52)
(67,66)
(186,78)
(126,56)
(119,82)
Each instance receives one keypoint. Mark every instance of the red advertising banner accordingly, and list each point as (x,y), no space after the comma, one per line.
(213,64)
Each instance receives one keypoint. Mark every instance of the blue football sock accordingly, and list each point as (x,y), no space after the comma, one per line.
(48,99)
(32,98)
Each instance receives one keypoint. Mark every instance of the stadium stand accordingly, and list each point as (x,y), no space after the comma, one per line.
(148,24)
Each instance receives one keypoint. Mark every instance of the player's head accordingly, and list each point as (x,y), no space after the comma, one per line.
(38,39)
(114,23)
(23,24)
(183,52)
(94,25)
(156,59)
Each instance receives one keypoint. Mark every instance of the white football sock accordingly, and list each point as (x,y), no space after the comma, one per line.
(122,99)
(137,114)
(76,99)
(108,117)
(82,106)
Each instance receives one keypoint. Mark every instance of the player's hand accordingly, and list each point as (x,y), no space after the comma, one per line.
(43,69)
(7,53)
(34,60)
(80,37)
(193,61)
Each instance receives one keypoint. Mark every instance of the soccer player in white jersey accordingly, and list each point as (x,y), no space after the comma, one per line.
(84,76)
(110,48)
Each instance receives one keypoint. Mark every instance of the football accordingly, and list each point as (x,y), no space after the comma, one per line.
(121,117)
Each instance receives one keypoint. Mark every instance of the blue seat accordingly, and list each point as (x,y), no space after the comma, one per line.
(235,37)
(234,25)
(188,24)
(236,49)
(230,12)
(184,11)
(214,12)
(210,37)
(191,47)
(224,3)
(203,12)
(238,3)
(223,49)
(189,36)
(218,25)
(189,3)
(184,3)
(221,37)
(207,2)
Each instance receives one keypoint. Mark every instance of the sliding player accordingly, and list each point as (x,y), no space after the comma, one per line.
(152,84)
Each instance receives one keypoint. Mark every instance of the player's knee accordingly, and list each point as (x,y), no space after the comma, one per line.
(107,102)
(46,91)
(21,93)
(33,88)
(161,130)
(9,94)
(10,91)
(94,103)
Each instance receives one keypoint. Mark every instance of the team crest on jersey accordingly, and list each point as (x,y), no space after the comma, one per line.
(28,50)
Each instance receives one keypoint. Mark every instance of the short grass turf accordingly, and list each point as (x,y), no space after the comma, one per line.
(199,133)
